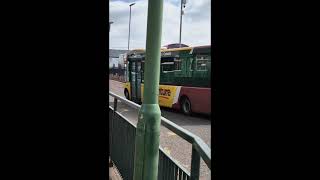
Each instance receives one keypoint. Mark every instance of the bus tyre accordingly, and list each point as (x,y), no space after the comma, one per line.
(126,94)
(186,106)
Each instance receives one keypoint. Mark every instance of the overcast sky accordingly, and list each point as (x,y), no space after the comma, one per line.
(196,28)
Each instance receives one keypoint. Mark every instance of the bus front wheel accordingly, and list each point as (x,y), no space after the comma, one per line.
(186,106)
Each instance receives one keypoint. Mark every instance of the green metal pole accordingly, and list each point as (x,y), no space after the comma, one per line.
(148,127)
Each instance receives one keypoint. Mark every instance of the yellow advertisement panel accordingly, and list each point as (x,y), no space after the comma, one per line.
(166,95)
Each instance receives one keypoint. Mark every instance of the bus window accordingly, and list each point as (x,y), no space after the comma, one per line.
(202,63)
(128,66)
(177,64)
(192,64)
(125,72)
(167,67)
(142,71)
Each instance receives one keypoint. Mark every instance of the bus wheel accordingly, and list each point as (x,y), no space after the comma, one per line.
(186,106)
(126,94)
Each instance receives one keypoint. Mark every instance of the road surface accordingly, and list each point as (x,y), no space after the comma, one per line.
(177,147)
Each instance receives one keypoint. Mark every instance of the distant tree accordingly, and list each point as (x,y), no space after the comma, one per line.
(119,66)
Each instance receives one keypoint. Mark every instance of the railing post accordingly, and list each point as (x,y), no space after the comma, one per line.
(115,104)
(195,164)
(149,119)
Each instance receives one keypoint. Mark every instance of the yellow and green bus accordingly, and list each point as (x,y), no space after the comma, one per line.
(185,78)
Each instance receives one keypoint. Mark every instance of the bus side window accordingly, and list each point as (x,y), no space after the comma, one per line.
(202,63)
(142,71)
(167,67)
(177,64)
(192,62)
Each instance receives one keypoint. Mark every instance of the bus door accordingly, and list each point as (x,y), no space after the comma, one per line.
(138,80)
(135,80)
(188,65)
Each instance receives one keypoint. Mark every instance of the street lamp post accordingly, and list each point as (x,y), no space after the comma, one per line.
(148,127)
(183,3)
(129,24)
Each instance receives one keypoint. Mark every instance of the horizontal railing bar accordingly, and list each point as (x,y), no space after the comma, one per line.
(130,103)
(204,151)
(126,119)
(203,148)
(188,136)
(200,145)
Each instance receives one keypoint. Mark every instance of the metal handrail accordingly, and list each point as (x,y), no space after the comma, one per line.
(162,150)
(200,146)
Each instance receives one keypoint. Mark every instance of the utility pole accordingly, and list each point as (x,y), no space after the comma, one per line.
(129,24)
(149,118)
(183,3)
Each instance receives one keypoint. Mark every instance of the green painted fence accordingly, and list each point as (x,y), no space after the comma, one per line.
(122,146)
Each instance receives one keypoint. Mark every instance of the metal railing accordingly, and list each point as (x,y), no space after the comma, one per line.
(122,139)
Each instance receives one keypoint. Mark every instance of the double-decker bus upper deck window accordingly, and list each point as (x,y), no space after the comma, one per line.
(177,64)
(202,63)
